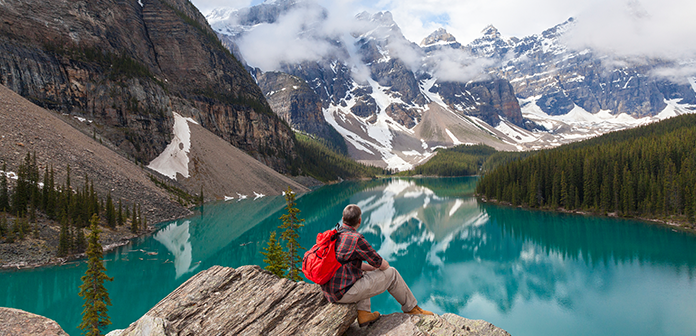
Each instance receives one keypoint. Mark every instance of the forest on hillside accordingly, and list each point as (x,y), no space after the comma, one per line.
(648,171)
(318,160)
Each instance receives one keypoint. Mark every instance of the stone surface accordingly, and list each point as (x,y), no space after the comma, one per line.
(399,324)
(15,322)
(243,301)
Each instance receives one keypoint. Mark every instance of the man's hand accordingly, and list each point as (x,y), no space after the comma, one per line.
(367,267)
(384,265)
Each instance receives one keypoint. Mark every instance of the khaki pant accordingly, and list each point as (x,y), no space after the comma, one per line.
(375,283)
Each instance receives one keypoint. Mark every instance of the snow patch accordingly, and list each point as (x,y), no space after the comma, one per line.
(454,138)
(174,159)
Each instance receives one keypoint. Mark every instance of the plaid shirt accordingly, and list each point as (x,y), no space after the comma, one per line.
(351,250)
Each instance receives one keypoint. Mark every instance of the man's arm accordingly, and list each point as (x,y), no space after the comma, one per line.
(384,265)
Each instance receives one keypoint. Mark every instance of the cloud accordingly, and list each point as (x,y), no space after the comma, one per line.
(656,29)
(454,65)
(295,37)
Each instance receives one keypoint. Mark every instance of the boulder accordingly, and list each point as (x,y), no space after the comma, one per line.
(243,301)
(252,301)
(18,322)
(399,324)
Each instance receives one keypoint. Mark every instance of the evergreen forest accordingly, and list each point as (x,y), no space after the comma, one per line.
(72,207)
(647,171)
(319,161)
(461,160)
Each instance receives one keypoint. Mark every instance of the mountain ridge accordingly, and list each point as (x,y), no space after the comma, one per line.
(372,75)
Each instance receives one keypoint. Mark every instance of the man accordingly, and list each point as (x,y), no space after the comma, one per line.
(356,281)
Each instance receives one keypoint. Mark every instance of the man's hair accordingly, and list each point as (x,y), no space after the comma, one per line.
(351,215)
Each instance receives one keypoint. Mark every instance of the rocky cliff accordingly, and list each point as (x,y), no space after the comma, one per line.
(251,301)
(127,65)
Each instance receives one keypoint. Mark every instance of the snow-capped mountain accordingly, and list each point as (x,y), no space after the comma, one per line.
(394,101)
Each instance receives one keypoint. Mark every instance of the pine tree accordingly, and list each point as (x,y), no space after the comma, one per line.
(134,220)
(275,257)
(4,191)
(119,214)
(92,290)
(110,211)
(80,241)
(291,223)
(64,237)
(3,224)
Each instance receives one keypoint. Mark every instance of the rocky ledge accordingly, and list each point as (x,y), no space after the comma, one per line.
(19,322)
(250,301)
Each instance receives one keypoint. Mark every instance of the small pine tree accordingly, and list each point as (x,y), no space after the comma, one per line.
(92,290)
(134,220)
(119,214)
(144,224)
(110,211)
(291,223)
(80,241)
(64,237)
(3,224)
(4,191)
(275,257)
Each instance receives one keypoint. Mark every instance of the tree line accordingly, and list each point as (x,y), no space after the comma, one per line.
(72,207)
(317,160)
(462,160)
(647,172)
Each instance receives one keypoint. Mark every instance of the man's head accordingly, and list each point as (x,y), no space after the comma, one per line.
(351,215)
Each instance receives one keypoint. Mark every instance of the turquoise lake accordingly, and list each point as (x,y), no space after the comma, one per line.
(528,272)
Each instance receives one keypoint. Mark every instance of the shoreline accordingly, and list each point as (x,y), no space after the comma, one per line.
(685,227)
(53,260)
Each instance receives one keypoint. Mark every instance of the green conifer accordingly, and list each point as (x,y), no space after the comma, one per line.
(119,214)
(4,190)
(80,241)
(276,259)
(291,223)
(134,220)
(3,224)
(110,211)
(64,237)
(94,315)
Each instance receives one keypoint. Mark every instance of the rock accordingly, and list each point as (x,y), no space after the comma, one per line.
(420,325)
(243,301)
(251,301)
(18,322)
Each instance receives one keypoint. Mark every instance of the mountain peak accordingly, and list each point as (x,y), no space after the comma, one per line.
(490,30)
(439,36)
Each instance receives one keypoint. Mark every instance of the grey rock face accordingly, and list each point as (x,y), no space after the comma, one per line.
(295,102)
(399,324)
(486,100)
(243,301)
(128,67)
(19,323)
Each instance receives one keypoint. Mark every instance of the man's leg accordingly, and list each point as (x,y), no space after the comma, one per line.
(375,283)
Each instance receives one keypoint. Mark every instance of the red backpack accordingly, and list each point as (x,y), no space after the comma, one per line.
(319,263)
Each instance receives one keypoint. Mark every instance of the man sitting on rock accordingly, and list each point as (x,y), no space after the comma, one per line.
(357,282)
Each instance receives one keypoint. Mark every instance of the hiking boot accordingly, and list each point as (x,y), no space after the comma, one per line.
(419,311)
(365,317)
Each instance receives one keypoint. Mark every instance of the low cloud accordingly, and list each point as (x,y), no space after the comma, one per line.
(654,29)
(295,37)
(455,65)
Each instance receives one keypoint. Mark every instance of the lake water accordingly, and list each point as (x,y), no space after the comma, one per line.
(529,272)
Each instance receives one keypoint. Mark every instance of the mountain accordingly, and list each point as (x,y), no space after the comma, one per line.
(370,92)
(128,66)
(394,101)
